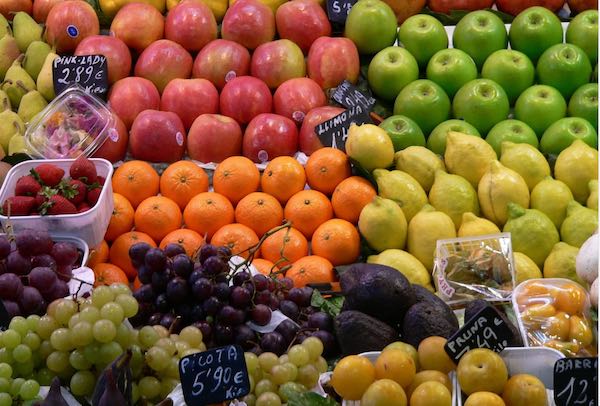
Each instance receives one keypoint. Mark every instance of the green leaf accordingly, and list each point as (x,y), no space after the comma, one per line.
(331,306)
(310,399)
(16,158)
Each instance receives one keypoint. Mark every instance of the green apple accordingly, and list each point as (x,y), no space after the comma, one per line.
(565,67)
(583,32)
(562,133)
(451,68)
(482,103)
(511,130)
(539,106)
(390,70)
(479,34)
(584,103)
(424,102)
(510,69)
(423,35)
(371,25)
(403,132)
(534,30)
(594,77)
(437,139)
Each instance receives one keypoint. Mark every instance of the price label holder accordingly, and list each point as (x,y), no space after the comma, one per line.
(334,131)
(214,376)
(576,382)
(88,71)
(350,96)
(4,317)
(337,10)
(484,330)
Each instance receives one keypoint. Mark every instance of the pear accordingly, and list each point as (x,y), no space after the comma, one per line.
(4,26)
(4,101)
(17,83)
(31,104)
(45,84)
(9,51)
(10,125)
(17,145)
(26,30)
(35,56)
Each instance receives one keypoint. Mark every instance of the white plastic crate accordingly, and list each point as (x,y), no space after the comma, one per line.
(89,226)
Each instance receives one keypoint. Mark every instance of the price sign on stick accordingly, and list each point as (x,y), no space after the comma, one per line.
(337,10)
(214,376)
(350,96)
(576,382)
(334,132)
(88,71)
(484,330)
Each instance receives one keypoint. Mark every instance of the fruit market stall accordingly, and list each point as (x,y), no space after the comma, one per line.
(269,202)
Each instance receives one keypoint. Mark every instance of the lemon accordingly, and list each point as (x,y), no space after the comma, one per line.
(420,163)
(561,263)
(592,201)
(498,187)
(425,228)
(531,231)
(472,225)
(370,146)
(402,188)
(453,195)
(526,160)
(382,224)
(579,225)
(552,197)
(404,262)
(468,156)
(576,166)
(525,268)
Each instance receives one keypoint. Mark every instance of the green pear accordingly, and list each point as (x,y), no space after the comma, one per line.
(9,51)
(35,56)
(31,104)
(17,82)
(17,145)
(45,84)
(10,126)
(4,26)
(4,101)
(26,30)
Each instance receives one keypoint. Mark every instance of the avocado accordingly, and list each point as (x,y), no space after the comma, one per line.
(424,295)
(475,306)
(377,290)
(358,332)
(426,319)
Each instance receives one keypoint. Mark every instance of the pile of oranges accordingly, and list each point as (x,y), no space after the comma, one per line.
(321,200)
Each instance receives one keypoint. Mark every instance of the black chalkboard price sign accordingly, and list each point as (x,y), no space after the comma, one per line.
(484,330)
(334,132)
(88,71)
(214,376)
(350,96)
(576,382)
(4,317)
(337,10)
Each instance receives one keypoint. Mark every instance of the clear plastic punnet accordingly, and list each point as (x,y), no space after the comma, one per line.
(73,124)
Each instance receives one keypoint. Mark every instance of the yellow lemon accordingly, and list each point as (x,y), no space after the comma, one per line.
(468,156)
(526,160)
(370,146)
(579,225)
(402,188)
(420,163)
(425,228)
(592,201)
(218,7)
(382,224)
(552,197)
(576,166)
(453,195)
(525,268)
(472,225)
(404,262)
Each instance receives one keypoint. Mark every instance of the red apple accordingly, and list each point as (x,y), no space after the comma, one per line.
(245,97)
(445,6)
(249,23)
(213,138)
(70,22)
(220,57)
(41,8)
(8,8)
(513,7)
(307,138)
(130,96)
(118,57)
(191,24)
(577,6)
(277,61)
(164,61)
(157,136)
(269,136)
(333,60)
(298,95)
(138,25)
(114,148)
(302,21)
(189,98)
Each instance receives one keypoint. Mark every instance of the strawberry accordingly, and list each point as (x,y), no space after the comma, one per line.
(58,205)
(27,186)
(18,205)
(101,180)
(93,195)
(84,169)
(48,174)
(74,190)
(83,207)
